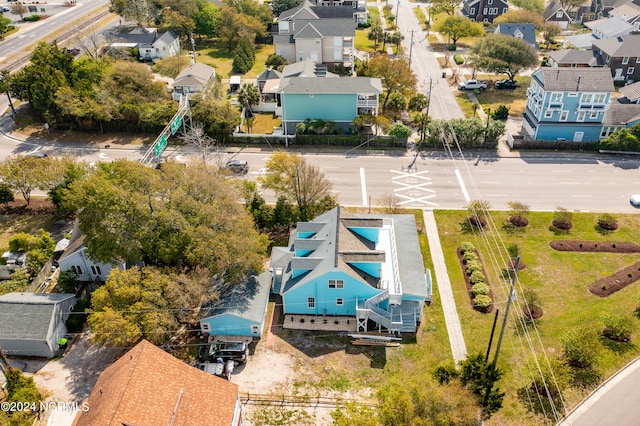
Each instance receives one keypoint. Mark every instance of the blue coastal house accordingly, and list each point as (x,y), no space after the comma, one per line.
(567,104)
(240,315)
(352,273)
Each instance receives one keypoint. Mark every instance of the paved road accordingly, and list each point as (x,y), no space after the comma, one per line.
(61,17)
(615,402)
(425,65)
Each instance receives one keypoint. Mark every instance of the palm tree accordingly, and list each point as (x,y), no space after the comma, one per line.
(248,95)
(376,34)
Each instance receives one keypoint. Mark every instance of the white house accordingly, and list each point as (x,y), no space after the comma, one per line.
(77,260)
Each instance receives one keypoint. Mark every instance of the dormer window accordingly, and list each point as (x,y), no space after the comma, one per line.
(625,60)
(559,14)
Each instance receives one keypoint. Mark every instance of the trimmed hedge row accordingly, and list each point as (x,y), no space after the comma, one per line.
(480,292)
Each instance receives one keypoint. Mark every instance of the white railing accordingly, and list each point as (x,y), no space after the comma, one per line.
(395,291)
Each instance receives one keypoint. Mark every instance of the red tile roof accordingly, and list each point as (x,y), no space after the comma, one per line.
(147,386)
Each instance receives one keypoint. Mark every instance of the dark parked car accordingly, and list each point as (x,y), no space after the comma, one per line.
(39,154)
(506,84)
(235,351)
(239,167)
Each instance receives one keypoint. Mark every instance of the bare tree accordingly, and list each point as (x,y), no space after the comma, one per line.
(199,139)
(19,9)
(390,203)
(89,40)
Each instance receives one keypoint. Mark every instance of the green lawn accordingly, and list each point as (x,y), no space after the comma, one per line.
(515,99)
(560,280)
(211,52)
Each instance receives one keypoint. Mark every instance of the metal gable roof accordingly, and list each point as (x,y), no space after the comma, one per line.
(247,300)
(565,79)
(321,85)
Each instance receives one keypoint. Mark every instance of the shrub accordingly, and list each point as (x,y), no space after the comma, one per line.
(501,113)
(480,289)
(32,18)
(482,301)
(466,246)
(399,130)
(469,256)
(477,277)
(580,347)
(6,195)
(473,266)
(444,373)
(617,327)
(562,218)
(477,221)
(458,58)
(608,222)
(275,61)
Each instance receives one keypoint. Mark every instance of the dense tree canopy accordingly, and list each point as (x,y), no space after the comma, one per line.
(445,6)
(503,54)
(458,26)
(144,303)
(521,16)
(289,175)
(279,6)
(49,69)
(186,217)
(532,5)
(395,74)
(626,139)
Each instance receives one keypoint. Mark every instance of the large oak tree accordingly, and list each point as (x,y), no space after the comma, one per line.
(183,217)
(503,54)
(395,74)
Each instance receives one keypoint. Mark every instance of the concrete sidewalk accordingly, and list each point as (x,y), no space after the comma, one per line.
(456,339)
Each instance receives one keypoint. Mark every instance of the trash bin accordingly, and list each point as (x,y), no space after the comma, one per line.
(62,343)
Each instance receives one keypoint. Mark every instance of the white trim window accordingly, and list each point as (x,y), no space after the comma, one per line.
(581,115)
(564,115)
(638,59)
(311,302)
(593,115)
(339,301)
(599,98)
(625,60)
(206,327)
(559,14)
(556,98)
(630,70)
(586,98)
(336,283)
(505,9)
(548,113)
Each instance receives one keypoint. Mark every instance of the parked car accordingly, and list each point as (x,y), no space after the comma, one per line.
(235,351)
(219,368)
(4,9)
(472,85)
(239,167)
(73,51)
(506,84)
(39,154)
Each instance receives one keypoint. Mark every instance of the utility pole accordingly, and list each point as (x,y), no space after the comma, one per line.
(397,12)
(506,312)
(411,47)
(193,45)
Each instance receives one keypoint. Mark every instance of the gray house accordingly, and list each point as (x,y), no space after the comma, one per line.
(192,79)
(241,315)
(32,323)
(526,32)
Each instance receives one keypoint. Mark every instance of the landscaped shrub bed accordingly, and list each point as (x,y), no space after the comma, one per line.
(609,285)
(595,246)
(479,291)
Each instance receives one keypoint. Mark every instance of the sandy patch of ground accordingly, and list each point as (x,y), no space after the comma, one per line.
(71,377)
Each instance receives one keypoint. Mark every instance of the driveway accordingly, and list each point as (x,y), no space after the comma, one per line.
(71,377)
